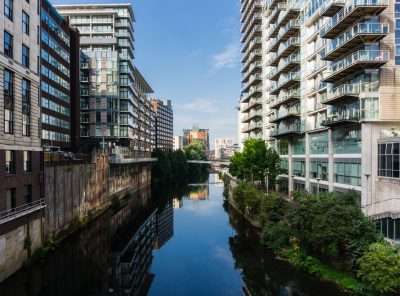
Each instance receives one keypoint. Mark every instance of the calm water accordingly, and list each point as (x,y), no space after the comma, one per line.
(187,242)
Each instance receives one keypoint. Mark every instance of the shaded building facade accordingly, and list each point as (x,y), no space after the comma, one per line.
(164,124)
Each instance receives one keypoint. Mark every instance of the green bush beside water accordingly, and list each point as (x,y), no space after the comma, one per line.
(326,234)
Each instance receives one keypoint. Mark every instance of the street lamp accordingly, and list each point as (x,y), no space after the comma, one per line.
(267,180)
(318,180)
(367,189)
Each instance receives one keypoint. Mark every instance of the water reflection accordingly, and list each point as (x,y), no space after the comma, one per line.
(173,241)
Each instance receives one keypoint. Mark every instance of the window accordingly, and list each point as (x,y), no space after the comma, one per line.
(8,44)
(8,121)
(8,9)
(348,173)
(27,161)
(10,162)
(11,198)
(25,22)
(319,169)
(28,194)
(299,168)
(25,55)
(388,160)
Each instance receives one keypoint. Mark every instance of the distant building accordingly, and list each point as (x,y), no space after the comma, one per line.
(219,144)
(163,124)
(60,85)
(196,134)
(227,152)
(178,142)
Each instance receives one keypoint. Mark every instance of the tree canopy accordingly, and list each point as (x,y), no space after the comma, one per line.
(196,151)
(255,161)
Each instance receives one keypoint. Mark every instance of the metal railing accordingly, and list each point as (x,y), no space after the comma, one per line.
(23,210)
(342,14)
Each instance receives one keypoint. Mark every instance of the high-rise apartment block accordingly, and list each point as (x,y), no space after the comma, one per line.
(178,142)
(20,145)
(221,147)
(60,85)
(114,107)
(320,85)
(196,134)
(164,124)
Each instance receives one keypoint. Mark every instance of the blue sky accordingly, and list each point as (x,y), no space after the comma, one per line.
(189,51)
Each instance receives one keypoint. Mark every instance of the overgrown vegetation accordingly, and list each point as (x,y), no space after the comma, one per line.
(326,234)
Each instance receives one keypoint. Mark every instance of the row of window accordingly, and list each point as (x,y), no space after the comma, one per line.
(389,160)
(10,162)
(45,17)
(54,92)
(8,92)
(47,39)
(52,61)
(48,119)
(9,49)
(53,76)
(55,136)
(9,13)
(55,107)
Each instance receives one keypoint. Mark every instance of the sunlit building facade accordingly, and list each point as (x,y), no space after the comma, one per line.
(196,134)
(330,79)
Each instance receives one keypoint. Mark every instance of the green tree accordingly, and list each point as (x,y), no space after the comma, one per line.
(380,267)
(196,151)
(255,161)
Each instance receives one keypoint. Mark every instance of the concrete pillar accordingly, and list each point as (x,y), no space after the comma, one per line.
(307,160)
(331,160)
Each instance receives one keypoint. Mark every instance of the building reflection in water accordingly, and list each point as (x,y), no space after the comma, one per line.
(165,225)
(200,192)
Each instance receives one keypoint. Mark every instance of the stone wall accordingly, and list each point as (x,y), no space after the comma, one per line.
(74,191)
(12,246)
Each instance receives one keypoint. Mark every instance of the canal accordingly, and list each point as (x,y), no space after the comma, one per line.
(185,242)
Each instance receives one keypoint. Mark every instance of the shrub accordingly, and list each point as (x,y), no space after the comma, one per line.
(247,198)
(380,268)
(277,236)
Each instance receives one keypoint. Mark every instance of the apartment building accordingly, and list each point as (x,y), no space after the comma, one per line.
(164,124)
(60,85)
(251,100)
(329,87)
(114,107)
(196,134)
(178,142)
(20,147)
(220,145)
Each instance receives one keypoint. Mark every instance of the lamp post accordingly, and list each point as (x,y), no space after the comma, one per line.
(318,180)
(267,180)
(367,201)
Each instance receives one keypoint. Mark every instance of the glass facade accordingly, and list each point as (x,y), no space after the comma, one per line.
(299,168)
(319,143)
(348,172)
(347,141)
(389,228)
(319,169)
(298,146)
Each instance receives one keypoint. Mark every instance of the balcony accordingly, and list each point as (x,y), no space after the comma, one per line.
(346,92)
(252,114)
(355,64)
(271,4)
(21,211)
(331,7)
(255,78)
(292,112)
(292,130)
(291,29)
(254,68)
(291,12)
(254,102)
(254,20)
(356,10)
(253,45)
(285,82)
(274,14)
(317,88)
(353,38)
(285,98)
(255,32)
(344,118)
(317,68)
(254,56)
(250,11)
(285,66)
(253,91)
(251,127)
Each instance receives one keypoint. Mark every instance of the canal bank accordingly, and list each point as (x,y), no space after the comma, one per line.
(174,242)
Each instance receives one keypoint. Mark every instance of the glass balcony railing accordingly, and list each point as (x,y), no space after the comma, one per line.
(291,27)
(365,59)
(252,91)
(373,31)
(252,114)
(285,97)
(252,103)
(344,90)
(284,81)
(337,22)
(342,118)
(331,7)
(317,67)
(292,111)
(292,42)
(284,64)
(287,130)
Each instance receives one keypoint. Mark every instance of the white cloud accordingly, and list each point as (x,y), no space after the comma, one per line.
(229,58)
(206,105)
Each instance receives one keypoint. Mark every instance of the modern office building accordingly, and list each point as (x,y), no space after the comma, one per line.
(164,124)
(114,106)
(196,134)
(60,85)
(20,147)
(220,144)
(330,88)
